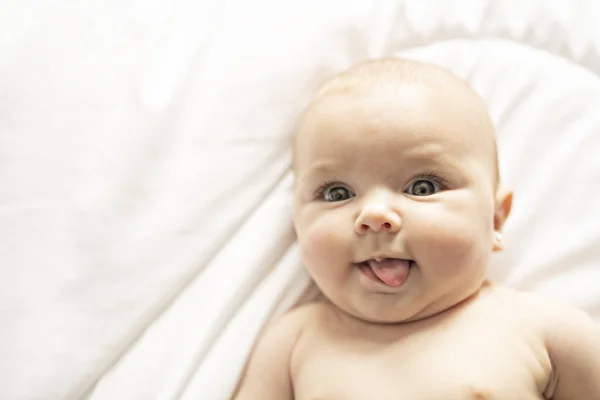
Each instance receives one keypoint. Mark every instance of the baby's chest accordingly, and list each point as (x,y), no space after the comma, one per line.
(421,368)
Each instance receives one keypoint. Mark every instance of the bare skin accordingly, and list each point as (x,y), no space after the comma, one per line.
(398,207)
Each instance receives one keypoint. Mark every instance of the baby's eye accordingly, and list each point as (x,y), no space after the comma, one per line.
(336,193)
(423,187)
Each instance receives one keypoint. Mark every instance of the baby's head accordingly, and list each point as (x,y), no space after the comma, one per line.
(398,204)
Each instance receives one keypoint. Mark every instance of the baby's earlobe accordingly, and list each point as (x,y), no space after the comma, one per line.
(498,245)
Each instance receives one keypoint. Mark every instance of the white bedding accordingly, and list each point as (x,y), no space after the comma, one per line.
(145,191)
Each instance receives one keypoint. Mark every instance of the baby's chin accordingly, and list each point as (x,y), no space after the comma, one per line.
(383,311)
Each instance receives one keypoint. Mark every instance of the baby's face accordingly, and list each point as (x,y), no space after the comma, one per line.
(395,200)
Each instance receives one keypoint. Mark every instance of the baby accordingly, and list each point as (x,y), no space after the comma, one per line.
(398,208)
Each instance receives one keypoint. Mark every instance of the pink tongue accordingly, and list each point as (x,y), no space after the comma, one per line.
(391,271)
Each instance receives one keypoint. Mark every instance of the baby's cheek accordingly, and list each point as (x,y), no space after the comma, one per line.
(453,242)
(322,241)
(324,255)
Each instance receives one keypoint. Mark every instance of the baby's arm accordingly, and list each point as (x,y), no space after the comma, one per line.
(267,375)
(573,342)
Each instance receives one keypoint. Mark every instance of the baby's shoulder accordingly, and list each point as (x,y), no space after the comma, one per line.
(537,311)
(571,339)
(518,306)
(310,313)
(296,319)
(520,303)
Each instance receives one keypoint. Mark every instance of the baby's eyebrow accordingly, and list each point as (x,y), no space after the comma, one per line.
(428,153)
(322,168)
(434,158)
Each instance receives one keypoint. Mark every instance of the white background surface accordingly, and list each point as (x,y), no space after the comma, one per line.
(145,231)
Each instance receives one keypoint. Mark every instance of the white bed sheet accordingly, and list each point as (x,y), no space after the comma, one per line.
(145,191)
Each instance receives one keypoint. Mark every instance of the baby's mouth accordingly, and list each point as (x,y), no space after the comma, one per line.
(391,271)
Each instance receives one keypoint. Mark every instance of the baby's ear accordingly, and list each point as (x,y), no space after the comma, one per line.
(504,198)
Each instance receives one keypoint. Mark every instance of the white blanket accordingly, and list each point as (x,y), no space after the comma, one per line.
(145,189)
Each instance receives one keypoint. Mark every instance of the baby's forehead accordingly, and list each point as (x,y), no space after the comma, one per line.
(397,86)
(402,87)
(396,77)
(412,121)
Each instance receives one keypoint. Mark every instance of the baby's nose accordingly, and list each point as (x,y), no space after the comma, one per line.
(377,219)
